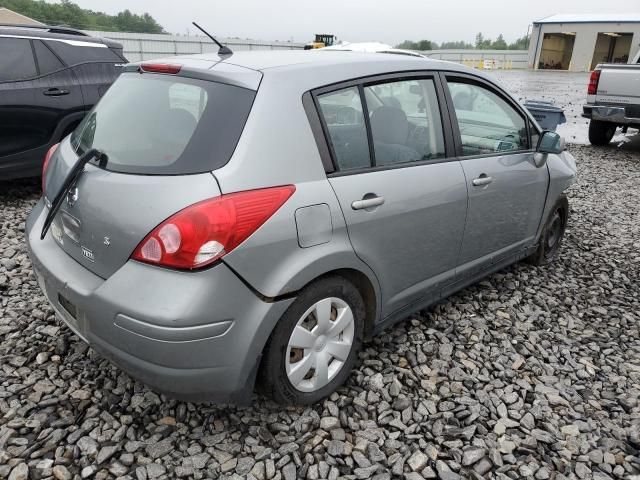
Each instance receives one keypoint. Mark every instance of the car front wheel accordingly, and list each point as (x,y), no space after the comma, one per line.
(552,234)
(314,346)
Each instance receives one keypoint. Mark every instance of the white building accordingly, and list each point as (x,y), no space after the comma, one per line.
(579,42)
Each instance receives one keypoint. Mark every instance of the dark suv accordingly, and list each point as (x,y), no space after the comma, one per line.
(49,78)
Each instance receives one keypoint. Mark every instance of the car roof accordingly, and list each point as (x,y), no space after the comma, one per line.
(263,60)
(46,32)
(306,69)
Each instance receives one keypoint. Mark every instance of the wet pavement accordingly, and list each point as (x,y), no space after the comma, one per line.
(567,90)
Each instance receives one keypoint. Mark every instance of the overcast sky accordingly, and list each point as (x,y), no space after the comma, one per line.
(358,20)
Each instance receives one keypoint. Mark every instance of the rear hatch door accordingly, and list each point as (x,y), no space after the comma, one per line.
(162,135)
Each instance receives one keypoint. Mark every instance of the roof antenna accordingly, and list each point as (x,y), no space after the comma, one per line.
(222,50)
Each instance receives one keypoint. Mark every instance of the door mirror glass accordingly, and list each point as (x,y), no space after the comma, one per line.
(551,142)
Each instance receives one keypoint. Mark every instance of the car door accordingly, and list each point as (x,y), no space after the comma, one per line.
(507,192)
(95,65)
(36,93)
(403,198)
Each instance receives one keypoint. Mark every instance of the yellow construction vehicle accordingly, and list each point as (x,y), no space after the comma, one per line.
(322,40)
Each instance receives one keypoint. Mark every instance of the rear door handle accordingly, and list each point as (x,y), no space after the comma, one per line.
(482,180)
(55,92)
(367,203)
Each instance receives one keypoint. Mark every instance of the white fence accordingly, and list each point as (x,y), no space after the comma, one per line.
(484,59)
(146,46)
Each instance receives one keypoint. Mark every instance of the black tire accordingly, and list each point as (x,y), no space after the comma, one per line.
(552,234)
(601,133)
(273,380)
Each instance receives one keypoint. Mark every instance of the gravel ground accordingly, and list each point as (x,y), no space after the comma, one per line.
(533,373)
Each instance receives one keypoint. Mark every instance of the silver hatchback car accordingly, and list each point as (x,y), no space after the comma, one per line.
(221,221)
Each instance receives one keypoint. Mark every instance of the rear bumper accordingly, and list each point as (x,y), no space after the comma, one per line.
(196,336)
(603,113)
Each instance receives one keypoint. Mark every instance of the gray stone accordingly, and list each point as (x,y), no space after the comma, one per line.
(444,472)
(336,448)
(19,472)
(472,455)
(244,466)
(417,461)
(329,423)
(289,471)
(159,449)
(582,471)
(483,466)
(596,456)
(60,472)
(106,453)
(90,470)
(88,446)
(528,421)
(154,470)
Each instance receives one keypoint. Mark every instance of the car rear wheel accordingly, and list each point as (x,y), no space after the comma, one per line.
(552,234)
(314,346)
(601,133)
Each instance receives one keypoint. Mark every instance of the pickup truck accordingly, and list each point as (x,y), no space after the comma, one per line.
(613,100)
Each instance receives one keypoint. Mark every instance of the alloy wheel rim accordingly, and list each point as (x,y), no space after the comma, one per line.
(320,344)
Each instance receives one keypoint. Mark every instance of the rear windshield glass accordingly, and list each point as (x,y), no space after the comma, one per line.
(165,125)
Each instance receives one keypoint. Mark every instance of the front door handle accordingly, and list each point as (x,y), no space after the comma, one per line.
(482,180)
(55,92)
(367,203)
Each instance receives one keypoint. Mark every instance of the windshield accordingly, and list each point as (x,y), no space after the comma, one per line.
(163,124)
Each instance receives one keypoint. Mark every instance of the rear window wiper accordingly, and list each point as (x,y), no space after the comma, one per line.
(69,181)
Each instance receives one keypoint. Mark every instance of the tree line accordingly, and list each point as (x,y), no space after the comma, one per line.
(481,43)
(70,14)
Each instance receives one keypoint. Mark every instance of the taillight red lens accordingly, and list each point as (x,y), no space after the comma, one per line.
(593,82)
(204,232)
(160,68)
(47,158)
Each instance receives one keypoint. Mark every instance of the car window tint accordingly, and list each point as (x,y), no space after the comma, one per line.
(343,115)
(488,124)
(73,54)
(47,61)
(405,122)
(16,59)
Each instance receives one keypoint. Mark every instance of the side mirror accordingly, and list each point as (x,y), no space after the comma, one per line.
(550,142)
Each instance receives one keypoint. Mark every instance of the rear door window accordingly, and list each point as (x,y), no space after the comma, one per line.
(405,121)
(162,124)
(16,59)
(47,61)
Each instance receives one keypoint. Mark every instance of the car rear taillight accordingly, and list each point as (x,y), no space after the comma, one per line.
(47,158)
(205,231)
(160,68)
(593,82)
